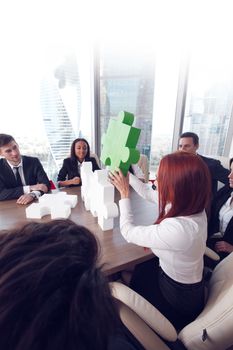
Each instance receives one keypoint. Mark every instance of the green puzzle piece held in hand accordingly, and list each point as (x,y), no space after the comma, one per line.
(119,143)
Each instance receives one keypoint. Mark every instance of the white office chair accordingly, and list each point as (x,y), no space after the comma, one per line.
(211,254)
(142,319)
(94,155)
(211,330)
(143,164)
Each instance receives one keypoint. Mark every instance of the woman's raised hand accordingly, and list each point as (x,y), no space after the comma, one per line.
(121,182)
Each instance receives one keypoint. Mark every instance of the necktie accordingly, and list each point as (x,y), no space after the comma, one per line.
(18,178)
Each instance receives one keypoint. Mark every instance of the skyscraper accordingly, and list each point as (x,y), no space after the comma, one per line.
(61,105)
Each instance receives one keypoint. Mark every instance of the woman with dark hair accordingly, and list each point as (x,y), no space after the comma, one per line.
(173,282)
(53,295)
(220,229)
(69,174)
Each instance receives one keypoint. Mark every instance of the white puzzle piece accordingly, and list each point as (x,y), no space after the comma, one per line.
(87,177)
(98,195)
(58,205)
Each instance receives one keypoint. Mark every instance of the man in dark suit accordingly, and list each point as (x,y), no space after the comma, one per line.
(21,177)
(189,142)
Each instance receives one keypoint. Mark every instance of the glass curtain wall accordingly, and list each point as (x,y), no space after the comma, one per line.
(127,83)
(209,101)
(145,84)
(165,100)
(45,84)
(50,113)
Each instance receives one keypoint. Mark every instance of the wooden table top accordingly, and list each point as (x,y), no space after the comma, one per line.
(115,253)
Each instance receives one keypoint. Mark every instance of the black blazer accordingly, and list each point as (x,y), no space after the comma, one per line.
(221,197)
(217,172)
(33,174)
(70,169)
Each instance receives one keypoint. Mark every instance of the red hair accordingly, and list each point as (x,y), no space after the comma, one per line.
(184,183)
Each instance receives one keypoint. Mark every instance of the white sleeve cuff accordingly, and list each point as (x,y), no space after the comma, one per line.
(26,189)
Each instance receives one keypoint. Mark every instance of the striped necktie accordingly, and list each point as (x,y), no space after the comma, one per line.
(18,177)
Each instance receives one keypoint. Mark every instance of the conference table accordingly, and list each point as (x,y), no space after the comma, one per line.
(115,253)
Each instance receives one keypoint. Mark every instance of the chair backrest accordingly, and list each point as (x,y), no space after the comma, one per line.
(143,163)
(94,155)
(213,328)
(142,319)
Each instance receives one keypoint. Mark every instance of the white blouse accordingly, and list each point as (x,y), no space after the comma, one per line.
(179,242)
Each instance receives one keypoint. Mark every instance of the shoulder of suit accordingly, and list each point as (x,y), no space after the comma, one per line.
(66,160)
(210,161)
(3,162)
(29,158)
(224,191)
(90,159)
(206,158)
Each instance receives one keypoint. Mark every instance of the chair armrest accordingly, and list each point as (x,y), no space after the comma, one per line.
(159,323)
(211,254)
(138,327)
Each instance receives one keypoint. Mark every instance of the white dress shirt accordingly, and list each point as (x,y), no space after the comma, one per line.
(26,188)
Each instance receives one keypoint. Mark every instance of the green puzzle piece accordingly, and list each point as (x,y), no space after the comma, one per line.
(119,143)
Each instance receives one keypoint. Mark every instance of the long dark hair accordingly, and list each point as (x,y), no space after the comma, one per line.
(52,294)
(184,183)
(72,149)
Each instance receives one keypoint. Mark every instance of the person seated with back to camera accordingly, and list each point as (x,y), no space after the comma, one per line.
(53,294)
(174,281)
(69,174)
(220,228)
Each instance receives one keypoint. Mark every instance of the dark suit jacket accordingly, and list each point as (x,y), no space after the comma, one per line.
(70,169)
(217,172)
(221,197)
(33,174)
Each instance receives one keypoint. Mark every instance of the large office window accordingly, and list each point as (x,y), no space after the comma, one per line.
(127,83)
(209,101)
(145,84)
(166,85)
(45,83)
(60,98)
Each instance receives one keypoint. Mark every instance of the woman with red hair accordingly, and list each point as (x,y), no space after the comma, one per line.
(178,238)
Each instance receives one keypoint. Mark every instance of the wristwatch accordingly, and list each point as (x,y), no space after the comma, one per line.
(33,195)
